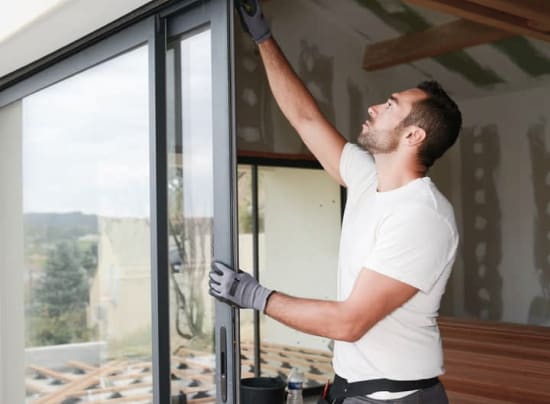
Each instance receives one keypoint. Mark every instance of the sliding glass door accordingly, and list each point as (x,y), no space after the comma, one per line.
(200,226)
(118,190)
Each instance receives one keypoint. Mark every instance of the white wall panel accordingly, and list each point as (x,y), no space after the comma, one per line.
(12,341)
(60,26)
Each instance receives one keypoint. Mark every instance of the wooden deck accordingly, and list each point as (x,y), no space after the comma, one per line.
(485,364)
(130,381)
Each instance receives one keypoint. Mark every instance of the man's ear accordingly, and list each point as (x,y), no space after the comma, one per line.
(415,135)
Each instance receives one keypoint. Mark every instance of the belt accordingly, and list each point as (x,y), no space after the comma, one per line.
(341,389)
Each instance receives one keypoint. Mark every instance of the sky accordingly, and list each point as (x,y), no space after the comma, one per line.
(86,139)
(17,13)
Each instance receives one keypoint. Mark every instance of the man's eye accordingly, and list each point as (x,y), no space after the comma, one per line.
(388,105)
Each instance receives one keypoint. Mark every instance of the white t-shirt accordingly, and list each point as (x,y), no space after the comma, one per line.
(409,234)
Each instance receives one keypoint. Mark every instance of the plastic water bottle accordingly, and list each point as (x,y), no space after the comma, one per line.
(295,385)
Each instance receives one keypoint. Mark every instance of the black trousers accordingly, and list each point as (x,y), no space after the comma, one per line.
(432,395)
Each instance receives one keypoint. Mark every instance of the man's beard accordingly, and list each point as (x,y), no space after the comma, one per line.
(378,142)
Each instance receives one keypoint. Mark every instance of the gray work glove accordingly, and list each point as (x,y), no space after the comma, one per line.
(237,288)
(253,19)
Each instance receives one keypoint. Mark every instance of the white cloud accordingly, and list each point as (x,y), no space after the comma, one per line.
(86,141)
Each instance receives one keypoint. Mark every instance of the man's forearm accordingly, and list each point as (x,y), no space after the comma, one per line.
(301,110)
(291,95)
(324,318)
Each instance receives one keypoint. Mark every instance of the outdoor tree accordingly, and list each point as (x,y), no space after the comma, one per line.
(189,262)
(61,298)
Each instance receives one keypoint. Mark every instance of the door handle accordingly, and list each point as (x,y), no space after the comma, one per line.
(223,363)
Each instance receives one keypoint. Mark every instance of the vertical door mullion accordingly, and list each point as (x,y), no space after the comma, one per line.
(225,189)
(160,305)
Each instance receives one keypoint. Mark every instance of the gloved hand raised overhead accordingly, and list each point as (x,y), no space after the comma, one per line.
(237,288)
(253,19)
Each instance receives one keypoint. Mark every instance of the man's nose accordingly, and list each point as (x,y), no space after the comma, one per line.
(371,111)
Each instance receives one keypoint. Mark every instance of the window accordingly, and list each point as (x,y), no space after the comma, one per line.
(86,217)
(191,202)
(297,223)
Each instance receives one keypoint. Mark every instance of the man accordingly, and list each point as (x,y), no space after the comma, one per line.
(398,240)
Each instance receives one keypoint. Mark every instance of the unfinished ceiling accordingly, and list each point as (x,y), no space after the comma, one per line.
(475,48)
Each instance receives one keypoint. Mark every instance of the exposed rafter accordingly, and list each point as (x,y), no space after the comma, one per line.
(435,41)
(533,10)
(525,17)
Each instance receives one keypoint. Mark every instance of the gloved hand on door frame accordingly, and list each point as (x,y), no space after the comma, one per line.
(237,288)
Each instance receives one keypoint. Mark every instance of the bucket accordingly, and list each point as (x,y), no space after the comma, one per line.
(263,390)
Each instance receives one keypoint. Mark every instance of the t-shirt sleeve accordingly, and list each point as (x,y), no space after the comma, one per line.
(356,166)
(413,246)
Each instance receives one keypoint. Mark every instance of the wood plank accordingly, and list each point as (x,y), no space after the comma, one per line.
(534,10)
(486,15)
(490,362)
(435,41)
(276,369)
(149,397)
(128,376)
(189,361)
(194,352)
(80,383)
(273,357)
(34,388)
(533,368)
(497,385)
(130,399)
(464,398)
(285,355)
(203,400)
(497,326)
(51,373)
(81,366)
(111,389)
(203,377)
(495,348)
(292,349)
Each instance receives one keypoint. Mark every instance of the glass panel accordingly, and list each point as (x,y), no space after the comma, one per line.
(87,235)
(299,227)
(190,187)
(246,262)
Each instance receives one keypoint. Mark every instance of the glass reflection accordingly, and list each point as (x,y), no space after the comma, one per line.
(298,232)
(190,193)
(87,235)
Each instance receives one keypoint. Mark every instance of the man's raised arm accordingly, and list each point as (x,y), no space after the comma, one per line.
(293,98)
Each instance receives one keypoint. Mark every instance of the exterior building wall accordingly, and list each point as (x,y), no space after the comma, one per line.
(120,297)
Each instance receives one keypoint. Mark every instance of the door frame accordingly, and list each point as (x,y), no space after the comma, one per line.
(218,14)
(151,25)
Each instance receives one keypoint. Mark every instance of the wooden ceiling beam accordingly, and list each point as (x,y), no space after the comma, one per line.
(434,41)
(533,10)
(484,13)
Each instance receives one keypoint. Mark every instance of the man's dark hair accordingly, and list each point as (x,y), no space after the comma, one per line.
(440,118)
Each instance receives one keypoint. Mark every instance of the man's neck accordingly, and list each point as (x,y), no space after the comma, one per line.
(393,173)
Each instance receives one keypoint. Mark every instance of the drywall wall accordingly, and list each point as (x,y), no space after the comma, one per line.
(503,196)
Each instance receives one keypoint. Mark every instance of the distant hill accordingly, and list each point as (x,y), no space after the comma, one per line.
(58,226)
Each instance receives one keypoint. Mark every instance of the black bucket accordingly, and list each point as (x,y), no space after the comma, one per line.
(262,390)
